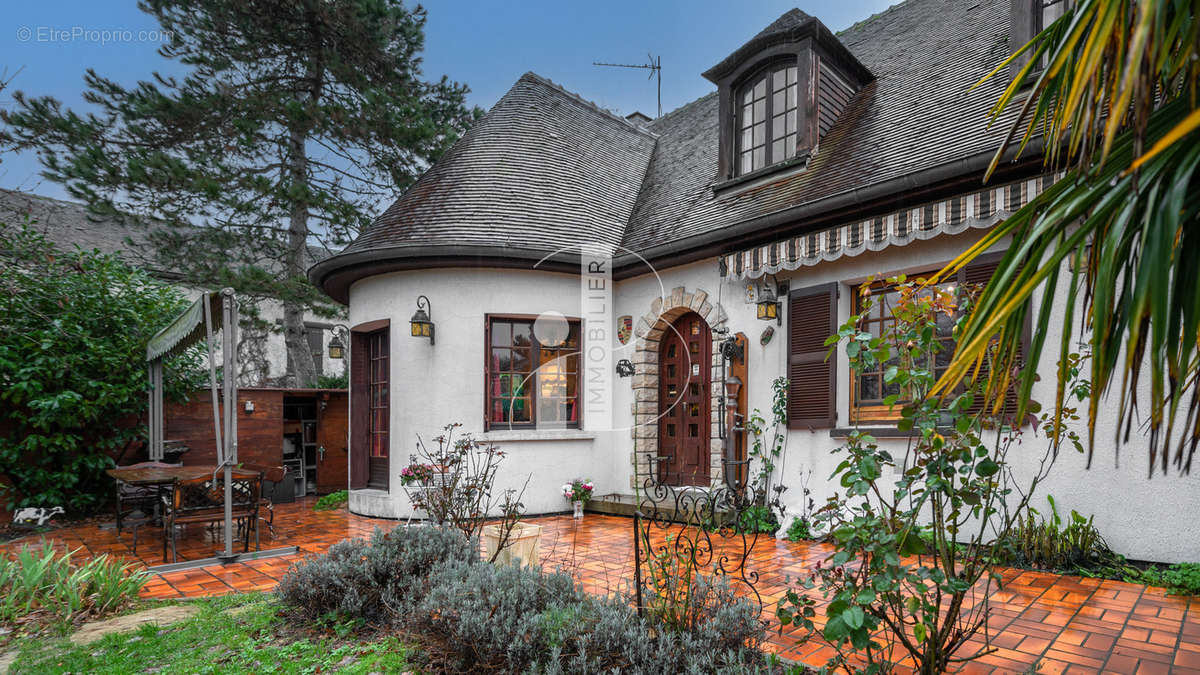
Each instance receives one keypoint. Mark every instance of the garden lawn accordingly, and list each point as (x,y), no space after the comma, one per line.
(232,634)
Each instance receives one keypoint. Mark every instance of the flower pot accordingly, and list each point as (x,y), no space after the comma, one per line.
(522,548)
(578,509)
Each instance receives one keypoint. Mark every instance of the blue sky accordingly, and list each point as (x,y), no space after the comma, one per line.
(486,44)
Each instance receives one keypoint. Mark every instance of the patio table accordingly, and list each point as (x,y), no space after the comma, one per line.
(149,476)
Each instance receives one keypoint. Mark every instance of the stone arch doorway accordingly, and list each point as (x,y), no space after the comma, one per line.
(651,329)
(684,398)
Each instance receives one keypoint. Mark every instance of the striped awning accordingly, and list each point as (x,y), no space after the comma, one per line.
(980,209)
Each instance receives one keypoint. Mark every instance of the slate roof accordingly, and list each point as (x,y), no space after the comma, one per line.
(780,28)
(68,224)
(544,168)
(917,114)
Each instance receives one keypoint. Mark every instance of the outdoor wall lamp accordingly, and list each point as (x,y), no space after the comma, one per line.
(624,368)
(337,348)
(249,407)
(422,324)
(769,305)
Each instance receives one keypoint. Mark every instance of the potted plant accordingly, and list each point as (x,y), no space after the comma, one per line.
(417,478)
(578,492)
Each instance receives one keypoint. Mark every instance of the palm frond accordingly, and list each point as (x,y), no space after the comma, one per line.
(1121,226)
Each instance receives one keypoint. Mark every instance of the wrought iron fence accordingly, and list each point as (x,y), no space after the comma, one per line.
(710,530)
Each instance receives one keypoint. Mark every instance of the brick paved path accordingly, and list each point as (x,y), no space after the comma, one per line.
(1065,624)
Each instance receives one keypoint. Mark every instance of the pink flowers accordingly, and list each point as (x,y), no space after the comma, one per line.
(578,490)
(416,473)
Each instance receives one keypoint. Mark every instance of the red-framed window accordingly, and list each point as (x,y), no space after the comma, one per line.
(377,384)
(532,380)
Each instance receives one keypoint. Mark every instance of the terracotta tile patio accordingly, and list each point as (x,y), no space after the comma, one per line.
(1064,624)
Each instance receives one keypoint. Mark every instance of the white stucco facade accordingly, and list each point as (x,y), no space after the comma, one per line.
(433,385)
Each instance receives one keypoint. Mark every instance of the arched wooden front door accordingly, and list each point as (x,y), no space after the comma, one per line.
(684,403)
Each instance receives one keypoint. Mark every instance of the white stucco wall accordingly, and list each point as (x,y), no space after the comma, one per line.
(435,385)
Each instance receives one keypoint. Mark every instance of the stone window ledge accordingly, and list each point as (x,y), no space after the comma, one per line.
(537,435)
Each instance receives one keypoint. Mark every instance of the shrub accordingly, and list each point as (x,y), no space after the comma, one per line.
(73,332)
(333,500)
(459,475)
(910,547)
(40,579)
(372,581)
(1182,578)
(1048,544)
(518,619)
(758,519)
(799,530)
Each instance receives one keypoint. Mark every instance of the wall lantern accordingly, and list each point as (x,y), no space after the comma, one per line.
(769,306)
(337,348)
(249,408)
(422,324)
(624,368)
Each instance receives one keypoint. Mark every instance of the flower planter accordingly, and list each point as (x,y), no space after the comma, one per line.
(523,544)
(578,509)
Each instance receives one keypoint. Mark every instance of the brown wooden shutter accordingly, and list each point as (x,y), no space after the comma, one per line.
(979,273)
(812,379)
(360,444)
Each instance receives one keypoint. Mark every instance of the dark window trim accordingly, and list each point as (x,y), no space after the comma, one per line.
(532,424)
(797,161)
(804,55)
(765,73)
(371,326)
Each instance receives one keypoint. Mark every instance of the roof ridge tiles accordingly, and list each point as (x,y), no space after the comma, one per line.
(589,104)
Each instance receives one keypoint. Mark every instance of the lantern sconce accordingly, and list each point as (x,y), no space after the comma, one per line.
(421,321)
(769,305)
(249,407)
(337,348)
(624,368)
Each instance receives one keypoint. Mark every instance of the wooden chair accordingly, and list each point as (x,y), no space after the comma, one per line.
(270,474)
(202,500)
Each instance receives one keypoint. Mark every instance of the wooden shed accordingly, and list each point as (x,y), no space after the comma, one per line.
(303,430)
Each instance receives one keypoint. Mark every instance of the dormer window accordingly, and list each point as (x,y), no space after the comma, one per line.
(1028,18)
(767,118)
(779,94)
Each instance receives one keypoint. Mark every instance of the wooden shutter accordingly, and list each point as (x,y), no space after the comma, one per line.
(360,410)
(812,379)
(979,273)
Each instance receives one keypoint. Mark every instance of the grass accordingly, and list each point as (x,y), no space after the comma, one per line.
(232,634)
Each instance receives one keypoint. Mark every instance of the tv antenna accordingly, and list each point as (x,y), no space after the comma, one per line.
(654,66)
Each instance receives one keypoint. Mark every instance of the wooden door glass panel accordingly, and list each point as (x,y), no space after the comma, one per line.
(684,402)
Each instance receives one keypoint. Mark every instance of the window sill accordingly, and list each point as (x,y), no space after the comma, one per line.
(877,432)
(537,435)
(799,162)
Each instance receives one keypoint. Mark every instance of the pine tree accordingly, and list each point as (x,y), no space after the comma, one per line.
(296,120)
